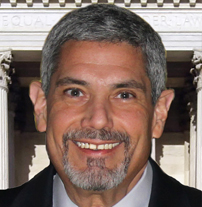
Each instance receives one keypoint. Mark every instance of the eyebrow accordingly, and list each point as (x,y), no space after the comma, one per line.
(68,80)
(126,84)
(130,84)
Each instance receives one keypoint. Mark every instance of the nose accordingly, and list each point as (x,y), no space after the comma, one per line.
(97,115)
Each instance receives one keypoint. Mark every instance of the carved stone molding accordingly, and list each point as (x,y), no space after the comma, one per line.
(196,71)
(5,60)
(51,3)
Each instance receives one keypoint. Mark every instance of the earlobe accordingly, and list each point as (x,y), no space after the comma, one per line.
(161,112)
(38,99)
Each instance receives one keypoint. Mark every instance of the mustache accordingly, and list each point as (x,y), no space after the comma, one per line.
(101,134)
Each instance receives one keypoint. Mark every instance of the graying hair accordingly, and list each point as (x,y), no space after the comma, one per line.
(106,23)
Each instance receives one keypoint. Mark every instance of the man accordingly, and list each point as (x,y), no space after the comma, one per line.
(101,101)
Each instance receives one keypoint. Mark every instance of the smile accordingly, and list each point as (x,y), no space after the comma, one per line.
(85,145)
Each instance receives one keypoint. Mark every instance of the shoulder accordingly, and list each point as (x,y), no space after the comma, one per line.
(193,196)
(8,196)
(166,191)
(31,192)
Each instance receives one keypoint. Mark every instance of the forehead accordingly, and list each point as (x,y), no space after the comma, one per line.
(101,53)
(102,59)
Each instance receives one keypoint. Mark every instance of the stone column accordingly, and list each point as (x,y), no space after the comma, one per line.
(5,60)
(197,61)
(193,138)
(153,152)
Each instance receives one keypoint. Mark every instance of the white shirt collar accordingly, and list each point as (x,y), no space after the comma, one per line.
(139,196)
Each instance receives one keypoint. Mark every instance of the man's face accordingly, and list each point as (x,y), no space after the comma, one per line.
(99,114)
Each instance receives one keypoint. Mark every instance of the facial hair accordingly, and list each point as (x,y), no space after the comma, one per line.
(96,177)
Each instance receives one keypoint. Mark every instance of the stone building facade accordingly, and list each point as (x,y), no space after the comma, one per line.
(24,26)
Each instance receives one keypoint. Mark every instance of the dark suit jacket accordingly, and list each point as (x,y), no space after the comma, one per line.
(166,192)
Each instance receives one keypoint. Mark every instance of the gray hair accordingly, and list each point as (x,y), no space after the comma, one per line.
(107,23)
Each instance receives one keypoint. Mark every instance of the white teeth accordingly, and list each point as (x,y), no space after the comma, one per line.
(93,146)
(110,146)
(106,146)
(100,147)
(115,144)
(86,145)
(96,147)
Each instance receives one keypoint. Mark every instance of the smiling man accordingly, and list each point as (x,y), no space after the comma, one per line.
(101,101)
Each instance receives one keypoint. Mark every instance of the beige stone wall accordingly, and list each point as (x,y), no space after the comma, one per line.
(30,156)
(171,154)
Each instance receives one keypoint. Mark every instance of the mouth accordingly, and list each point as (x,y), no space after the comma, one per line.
(107,146)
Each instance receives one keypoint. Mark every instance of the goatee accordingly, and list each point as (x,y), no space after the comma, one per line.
(96,176)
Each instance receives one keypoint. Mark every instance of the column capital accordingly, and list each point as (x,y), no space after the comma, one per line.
(5,60)
(197,59)
(197,70)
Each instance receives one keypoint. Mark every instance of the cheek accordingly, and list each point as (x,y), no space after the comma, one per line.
(61,117)
(137,123)
(135,120)
(139,128)
(59,120)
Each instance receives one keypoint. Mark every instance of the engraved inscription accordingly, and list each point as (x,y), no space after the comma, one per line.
(180,22)
(43,22)
(26,21)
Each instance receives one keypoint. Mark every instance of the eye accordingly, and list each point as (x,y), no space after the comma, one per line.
(74,92)
(125,95)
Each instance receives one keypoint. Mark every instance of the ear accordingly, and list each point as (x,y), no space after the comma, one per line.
(161,112)
(38,99)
